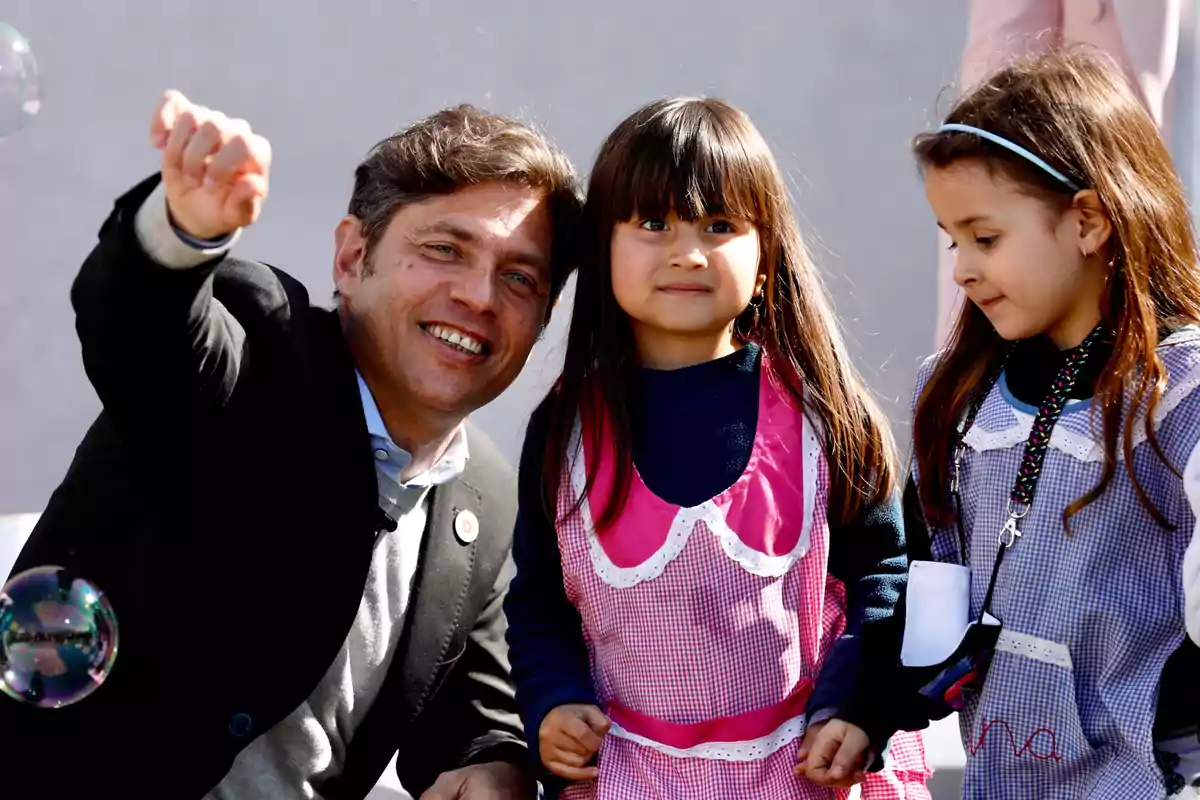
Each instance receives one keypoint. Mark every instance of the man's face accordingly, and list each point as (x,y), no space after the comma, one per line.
(444,310)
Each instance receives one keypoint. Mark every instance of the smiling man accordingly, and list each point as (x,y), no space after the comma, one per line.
(304,542)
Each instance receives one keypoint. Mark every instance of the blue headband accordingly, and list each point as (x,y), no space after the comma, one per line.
(1013,146)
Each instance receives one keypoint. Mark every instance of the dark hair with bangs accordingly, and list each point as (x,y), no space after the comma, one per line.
(1077,111)
(700,157)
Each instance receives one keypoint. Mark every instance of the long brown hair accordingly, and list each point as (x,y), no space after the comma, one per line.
(1077,112)
(699,157)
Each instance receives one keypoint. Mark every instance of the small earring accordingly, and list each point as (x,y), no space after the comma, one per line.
(755,304)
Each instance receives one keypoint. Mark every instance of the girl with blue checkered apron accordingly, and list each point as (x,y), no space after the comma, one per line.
(1050,437)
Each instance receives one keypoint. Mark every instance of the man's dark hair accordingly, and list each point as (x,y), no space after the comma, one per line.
(461,147)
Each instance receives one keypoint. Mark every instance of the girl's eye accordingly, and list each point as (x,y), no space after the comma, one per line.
(985,241)
(721,226)
(653,225)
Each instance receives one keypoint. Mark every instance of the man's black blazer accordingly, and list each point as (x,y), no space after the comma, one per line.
(225,500)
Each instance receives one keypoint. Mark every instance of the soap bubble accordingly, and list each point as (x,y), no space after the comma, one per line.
(58,637)
(20,87)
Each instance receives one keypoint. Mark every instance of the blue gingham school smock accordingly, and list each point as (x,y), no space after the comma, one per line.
(1089,620)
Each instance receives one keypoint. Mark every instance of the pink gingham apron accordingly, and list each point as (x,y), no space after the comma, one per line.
(707,626)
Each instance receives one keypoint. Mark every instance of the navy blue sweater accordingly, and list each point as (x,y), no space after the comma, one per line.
(693,429)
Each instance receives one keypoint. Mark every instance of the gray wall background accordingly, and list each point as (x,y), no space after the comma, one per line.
(837,88)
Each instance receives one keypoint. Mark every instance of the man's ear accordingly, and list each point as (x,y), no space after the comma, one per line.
(349,253)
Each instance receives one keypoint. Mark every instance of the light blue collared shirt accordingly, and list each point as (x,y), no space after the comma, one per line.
(392,459)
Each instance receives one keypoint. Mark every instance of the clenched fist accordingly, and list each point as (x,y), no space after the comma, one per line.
(568,738)
(214,168)
(833,753)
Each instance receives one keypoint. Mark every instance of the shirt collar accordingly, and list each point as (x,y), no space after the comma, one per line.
(392,458)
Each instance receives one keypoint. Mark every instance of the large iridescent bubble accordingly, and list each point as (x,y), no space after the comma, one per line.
(58,637)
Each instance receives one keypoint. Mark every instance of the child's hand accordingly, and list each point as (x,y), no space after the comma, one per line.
(568,738)
(833,753)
